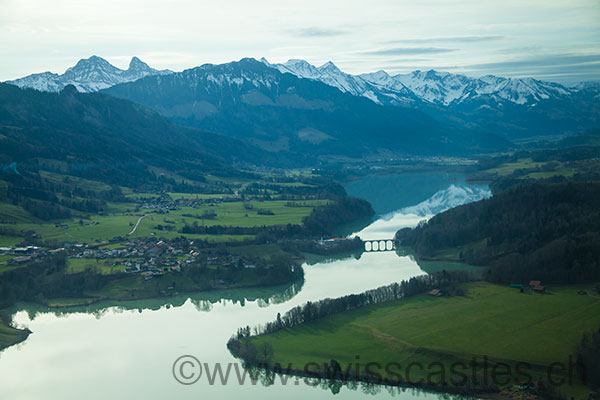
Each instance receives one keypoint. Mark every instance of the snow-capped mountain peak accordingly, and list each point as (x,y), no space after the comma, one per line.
(329,67)
(299,68)
(380,77)
(88,75)
(436,87)
(431,86)
(138,65)
(411,89)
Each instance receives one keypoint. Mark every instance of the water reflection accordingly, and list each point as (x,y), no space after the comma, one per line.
(202,301)
(268,378)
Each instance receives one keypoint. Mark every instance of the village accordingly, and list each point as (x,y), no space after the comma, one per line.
(149,257)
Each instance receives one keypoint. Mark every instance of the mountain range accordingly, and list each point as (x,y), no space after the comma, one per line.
(281,112)
(88,75)
(443,88)
(298,107)
(518,109)
(431,86)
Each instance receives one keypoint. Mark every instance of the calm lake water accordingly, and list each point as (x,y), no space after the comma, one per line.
(127,350)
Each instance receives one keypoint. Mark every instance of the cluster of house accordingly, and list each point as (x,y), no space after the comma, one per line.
(166,203)
(145,256)
(141,254)
(22,254)
(536,286)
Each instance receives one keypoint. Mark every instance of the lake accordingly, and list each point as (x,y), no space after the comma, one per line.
(127,350)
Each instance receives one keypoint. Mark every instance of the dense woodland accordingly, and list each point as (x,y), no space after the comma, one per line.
(548,232)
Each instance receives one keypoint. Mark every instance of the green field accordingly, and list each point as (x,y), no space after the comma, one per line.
(119,222)
(506,169)
(490,320)
(10,335)
(75,265)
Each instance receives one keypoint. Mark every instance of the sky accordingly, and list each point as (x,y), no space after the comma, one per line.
(554,40)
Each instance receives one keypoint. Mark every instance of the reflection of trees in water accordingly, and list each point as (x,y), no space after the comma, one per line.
(268,377)
(202,301)
(328,259)
(202,305)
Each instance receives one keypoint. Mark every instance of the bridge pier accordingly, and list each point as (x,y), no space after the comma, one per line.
(379,245)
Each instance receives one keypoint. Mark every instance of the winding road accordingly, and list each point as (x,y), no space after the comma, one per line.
(136,224)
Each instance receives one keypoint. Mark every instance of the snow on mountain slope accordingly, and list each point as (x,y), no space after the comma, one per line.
(520,91)
(431,86)
(88,75)
(436,87)
(418,87)
(329,74)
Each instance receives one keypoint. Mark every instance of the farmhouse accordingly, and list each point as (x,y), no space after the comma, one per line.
(435,292)
(20,260)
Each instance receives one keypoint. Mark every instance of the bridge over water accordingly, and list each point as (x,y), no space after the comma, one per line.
(380,245)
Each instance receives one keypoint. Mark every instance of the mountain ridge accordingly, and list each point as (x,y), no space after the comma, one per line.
(88,75)
(422,85)
(518,109)
(282,112)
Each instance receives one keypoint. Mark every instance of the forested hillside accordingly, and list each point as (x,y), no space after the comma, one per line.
(96,136)
(548,232)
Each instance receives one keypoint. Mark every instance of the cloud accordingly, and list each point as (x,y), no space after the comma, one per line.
(316,32)
(401,51)
(543,61)
(450,39)
(567,68)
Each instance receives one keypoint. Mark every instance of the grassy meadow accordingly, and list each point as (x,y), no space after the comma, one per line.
(547,170)
(120,219)
(490,320)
